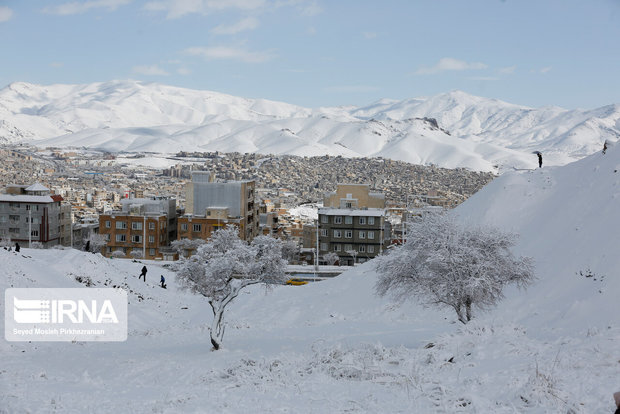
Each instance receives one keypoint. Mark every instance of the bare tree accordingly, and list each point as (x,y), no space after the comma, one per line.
(6,242)
(97,241)
(290,250)
(136,254)
(446,264)
(225,265)
(331,258)
(186,247)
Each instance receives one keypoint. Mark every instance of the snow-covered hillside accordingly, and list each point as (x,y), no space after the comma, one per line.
(333,346)
(450,130)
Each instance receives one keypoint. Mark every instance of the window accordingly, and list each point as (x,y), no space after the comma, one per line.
(324,219)
(27,207)
(120,237)
(197,227)
(348,220)
(337,219)
(371,249)
(371,220)
(121,225)
(107,237)
(3,219)
(337,247)
(362,248)
(362,220)
(371,235)
(324,232)
(337,234)
(15,219)
(348,204)
(14,230)
(136,225)
(136,239)
(151,239)
(152,226)
(362,234)
(347,247)
(183,226)
(34,233)
(348,234)
(324,246)
(107,224)
(152,252)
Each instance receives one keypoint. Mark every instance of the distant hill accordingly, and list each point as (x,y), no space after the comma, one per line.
(449,130)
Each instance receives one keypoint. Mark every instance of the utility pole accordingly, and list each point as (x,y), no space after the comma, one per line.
(30,227)
(316,256)
(144,238)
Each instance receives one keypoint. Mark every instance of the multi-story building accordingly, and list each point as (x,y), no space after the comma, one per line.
(32,214)
(352,224)
(143,225)
(217,202)
(201,227)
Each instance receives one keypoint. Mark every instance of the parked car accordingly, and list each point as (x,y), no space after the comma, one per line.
(296,282)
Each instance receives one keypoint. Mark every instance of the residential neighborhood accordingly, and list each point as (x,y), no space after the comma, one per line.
(63,197)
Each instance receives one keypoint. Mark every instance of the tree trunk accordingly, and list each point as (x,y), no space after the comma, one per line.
(468,309)
(217,330)
(459,312)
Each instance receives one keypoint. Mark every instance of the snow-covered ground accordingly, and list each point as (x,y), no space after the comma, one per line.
(333,346)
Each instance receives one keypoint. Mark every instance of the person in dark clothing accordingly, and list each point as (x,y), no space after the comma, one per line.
(539,160)
(87,247)
(143,274)
(162,280)
(17,247)
(604,147)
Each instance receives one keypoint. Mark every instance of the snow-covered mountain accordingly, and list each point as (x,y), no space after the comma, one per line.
(333,346)
(450,130)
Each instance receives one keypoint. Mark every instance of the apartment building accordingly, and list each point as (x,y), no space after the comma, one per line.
(142,226)
(352,224)
(212,204)
(201,227)
(32,214)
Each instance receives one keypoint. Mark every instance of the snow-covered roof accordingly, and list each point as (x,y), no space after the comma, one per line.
(374,212)
(37,187)
(22,198)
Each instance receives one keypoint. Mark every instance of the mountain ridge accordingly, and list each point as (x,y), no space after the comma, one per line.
(472,132)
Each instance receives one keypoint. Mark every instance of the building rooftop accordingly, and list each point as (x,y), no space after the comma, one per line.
(375,212)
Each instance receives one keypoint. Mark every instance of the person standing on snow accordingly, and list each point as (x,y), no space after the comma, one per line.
(143,274)
(17,247)
(539,159)
(162,280)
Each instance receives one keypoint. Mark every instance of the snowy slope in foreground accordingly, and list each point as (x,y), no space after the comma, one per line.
(333,346)
(469,131)
(569,221)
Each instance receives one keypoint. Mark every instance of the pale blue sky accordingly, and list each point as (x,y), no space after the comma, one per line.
(324,53)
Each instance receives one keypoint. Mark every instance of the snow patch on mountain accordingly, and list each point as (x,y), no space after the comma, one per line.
(454,129)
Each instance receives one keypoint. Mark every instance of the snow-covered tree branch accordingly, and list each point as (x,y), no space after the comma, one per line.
(447,264)
(225,265)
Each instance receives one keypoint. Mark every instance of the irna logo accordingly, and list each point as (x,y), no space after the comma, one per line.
(63,310)
(58,314)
